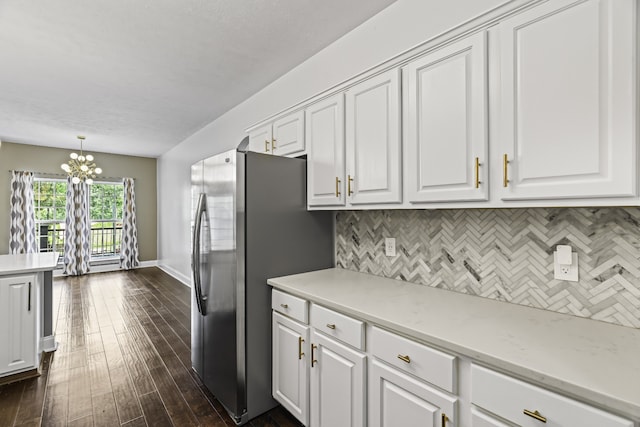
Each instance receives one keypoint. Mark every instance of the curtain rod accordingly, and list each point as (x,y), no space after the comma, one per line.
(64,175)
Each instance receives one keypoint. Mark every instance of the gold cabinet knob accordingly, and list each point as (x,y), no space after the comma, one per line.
(331,325)
(535,414)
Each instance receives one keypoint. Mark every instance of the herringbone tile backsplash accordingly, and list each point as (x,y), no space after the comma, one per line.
(505,254)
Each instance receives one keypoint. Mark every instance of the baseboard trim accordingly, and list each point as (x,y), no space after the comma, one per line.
(48,343)
(185,280)
(104,268)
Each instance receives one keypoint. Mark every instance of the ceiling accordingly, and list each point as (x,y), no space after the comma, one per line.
(138,77)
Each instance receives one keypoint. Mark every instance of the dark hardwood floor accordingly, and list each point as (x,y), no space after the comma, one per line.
(123,359)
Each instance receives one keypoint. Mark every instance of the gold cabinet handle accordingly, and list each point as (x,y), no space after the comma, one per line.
(536,415)
(331,325)
(337,187)
(273,144)
(444,419)
(505,175)
(477,170)
(406,358)
(349,181)
(284,305)
(300,353)
(266,146)
(313,355)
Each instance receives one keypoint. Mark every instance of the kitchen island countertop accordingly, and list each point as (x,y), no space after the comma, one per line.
(27,263)
(595,361)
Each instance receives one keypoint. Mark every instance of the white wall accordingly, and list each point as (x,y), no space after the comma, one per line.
(401,26)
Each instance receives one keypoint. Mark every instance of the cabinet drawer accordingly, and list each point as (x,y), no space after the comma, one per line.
(293,307)
(509,398)
(431,365)
(339,326)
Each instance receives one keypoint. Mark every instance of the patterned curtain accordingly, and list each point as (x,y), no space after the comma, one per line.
(77,233)
(22,231)
(129,245)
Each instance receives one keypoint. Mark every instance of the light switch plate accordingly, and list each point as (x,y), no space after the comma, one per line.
(566,272)
(390,246)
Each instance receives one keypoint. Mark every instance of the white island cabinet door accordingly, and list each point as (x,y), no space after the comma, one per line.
(373,140)
(568,102)
(337,384)
(290,374)
(324,132)
(396,399)
(18,307)
(446,123)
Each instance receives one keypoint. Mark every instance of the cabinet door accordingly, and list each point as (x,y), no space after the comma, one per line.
(260,139)
(324,130)
(479,419)
(288,134)
(568,100)
(446,123)
(396,399)
(290,373)
(337,384)
(18,306)
(373,140)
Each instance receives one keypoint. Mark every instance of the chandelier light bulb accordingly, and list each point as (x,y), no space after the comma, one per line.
(90,157)
(84,168)
(89,181)
(75,180)
(81,158)
(65,167)
(73,156)
(98,170)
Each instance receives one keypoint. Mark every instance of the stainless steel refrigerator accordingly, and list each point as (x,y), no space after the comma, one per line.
(249,223)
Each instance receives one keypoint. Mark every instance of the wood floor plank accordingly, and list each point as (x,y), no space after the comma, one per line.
(79,393)
(56,407)
(104,410)
(82,422)
(33,395)
(10,395)
(138,422)
(99,374)
(154,411)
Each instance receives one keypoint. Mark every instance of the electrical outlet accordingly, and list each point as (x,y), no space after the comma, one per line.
(566,272)
(390,246)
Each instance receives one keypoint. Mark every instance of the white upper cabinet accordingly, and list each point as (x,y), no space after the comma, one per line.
(283,137)
(568,109)
(445,93)
(324,133)
(373,140)
(260,139)
(288,134)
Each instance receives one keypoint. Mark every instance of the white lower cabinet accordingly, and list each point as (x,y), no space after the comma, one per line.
(290,384)
(529,406)
(337,384)
(397,399)
(18,315)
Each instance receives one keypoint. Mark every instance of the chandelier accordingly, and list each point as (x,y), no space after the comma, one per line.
(81,167)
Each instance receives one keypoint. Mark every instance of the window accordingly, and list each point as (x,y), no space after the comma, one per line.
(49,203)
(106,219)
(106,203)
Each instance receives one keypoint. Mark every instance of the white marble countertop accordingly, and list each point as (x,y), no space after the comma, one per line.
(595,361)
(27,263)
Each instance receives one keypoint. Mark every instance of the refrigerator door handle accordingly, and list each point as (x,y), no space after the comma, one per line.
(195,262)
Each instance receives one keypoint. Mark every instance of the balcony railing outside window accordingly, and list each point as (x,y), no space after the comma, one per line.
(106,238)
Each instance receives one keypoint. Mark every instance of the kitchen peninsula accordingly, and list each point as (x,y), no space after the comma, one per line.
(25,310)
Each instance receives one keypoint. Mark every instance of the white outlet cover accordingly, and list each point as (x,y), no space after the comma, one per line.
(561,272)
(390,246)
